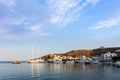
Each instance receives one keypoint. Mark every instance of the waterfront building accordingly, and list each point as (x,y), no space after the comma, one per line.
(107,56)
(83,58)
(57,58)
(117,50)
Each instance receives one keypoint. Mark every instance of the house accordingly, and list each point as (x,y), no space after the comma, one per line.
(107,56)
(83,58)
(57,57)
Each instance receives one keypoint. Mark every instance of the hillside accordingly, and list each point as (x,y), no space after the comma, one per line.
(73,53)
(88,53)
(78,53)
(104,50)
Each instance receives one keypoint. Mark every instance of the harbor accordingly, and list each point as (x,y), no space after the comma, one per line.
(59,39)
(48,71)
(104,58)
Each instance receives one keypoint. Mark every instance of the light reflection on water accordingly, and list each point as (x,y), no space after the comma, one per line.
(58,72)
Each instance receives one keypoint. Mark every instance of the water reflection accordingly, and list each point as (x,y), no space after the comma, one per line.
(38,69)
(35,70)
(58,72)
(32,70)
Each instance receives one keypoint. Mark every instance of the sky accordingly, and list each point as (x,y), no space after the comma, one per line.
(56,26)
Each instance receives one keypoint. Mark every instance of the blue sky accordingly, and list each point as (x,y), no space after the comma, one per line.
(56,26)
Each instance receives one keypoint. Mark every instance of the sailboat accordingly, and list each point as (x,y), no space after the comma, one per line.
(33,60)
(38,60)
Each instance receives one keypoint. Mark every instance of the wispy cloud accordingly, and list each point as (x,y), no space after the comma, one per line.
(30,18)
(92,1)
(65,11)
(60,10)
(112,22)
(9,3)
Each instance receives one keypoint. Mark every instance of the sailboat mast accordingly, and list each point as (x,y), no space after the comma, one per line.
(32,52)
(38,53)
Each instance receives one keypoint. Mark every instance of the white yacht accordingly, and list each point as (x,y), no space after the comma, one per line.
(33,61)
(36,61)
(42,61)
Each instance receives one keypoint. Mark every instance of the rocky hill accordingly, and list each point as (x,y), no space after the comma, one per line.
(73,53)
(102,50)
(78,53)
(87,53)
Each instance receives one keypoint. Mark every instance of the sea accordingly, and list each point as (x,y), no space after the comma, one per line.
(50,71)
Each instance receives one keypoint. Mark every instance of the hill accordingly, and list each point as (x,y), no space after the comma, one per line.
(102,50)
(73,53)
(87,53)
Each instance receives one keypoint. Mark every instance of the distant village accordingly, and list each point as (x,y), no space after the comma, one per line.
(102,55)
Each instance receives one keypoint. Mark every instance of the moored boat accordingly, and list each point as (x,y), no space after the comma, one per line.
(70,62)
(95,62)
(87,62)
(58,61)
(33,61)
(118,64)
(16,62)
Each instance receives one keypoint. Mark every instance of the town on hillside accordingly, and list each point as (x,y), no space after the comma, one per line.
(102,55)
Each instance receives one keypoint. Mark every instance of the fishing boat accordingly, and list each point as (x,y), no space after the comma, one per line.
(16,62)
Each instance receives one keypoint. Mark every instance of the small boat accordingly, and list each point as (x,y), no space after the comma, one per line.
(70,62)
(118,64)
(58,61)
(95,62)
(64,61)
(87,62)
(77,61)
(16,62)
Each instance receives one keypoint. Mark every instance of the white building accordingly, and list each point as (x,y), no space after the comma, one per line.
(57,57)
(107,56)
(95,57)
(117,50)
(83,58)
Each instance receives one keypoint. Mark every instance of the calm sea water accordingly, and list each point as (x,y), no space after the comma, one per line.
(43,71)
